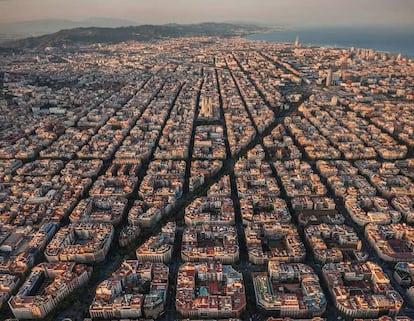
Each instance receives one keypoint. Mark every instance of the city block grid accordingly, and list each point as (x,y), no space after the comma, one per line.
(206,178)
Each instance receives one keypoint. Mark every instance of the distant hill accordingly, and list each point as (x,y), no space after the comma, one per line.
(140,33)
(34,28)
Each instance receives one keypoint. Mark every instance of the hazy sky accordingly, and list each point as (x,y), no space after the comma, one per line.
(281,12)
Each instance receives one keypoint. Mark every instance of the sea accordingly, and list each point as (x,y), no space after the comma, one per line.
(387,39)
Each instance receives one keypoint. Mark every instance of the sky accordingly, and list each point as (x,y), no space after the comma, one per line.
(275,12)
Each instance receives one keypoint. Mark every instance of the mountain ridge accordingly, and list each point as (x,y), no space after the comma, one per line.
(90,35)
(28,28)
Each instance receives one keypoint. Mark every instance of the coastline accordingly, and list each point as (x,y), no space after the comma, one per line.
(392,41)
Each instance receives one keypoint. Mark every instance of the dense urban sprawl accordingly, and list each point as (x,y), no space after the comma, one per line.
(206,178)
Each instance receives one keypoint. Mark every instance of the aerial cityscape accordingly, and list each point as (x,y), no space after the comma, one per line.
(195,173)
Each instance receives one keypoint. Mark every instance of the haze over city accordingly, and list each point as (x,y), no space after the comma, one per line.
(280,12)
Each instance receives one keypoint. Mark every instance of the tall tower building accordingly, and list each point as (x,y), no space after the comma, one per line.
(329,78)
(297,42)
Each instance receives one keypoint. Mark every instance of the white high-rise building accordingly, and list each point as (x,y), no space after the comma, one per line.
(329,78)
(297,42)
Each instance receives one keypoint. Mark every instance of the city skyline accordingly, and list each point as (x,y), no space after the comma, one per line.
(281,12)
